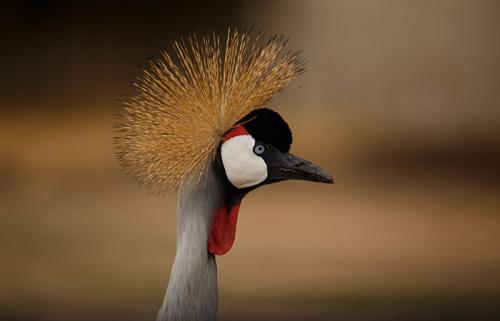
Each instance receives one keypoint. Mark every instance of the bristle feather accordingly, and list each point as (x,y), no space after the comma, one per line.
(170,129)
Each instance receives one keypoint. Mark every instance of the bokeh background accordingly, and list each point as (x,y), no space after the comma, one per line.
(401,104)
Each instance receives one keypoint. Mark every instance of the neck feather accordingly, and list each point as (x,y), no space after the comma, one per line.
(192,290)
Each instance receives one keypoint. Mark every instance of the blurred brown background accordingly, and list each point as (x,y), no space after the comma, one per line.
(401,104)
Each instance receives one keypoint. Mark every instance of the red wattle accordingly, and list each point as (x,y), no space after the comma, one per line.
(223,231)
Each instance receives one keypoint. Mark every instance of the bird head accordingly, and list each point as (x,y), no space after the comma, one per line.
(201,109)
(255,152)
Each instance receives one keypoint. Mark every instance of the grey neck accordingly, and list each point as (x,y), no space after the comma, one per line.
(192,290)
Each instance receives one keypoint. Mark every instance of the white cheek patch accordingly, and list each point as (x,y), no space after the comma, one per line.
(243,168)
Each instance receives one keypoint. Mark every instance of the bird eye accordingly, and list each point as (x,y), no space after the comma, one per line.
(259,149)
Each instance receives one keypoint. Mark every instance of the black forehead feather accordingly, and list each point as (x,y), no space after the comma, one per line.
(267,125)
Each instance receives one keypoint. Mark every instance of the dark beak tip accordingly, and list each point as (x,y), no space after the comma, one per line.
(327,179)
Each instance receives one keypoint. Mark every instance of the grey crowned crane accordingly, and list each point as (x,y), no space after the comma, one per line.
(196,125)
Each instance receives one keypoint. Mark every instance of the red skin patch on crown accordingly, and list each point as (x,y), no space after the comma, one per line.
(223,232)
(236,131)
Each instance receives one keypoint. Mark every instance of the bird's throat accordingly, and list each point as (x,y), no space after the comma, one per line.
(223,229)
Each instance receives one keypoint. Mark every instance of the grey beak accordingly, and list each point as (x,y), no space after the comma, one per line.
(288,166)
